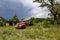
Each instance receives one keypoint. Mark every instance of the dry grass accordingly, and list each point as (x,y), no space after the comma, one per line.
(36,32)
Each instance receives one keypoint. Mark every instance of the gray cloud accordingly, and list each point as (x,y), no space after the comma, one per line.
(22,8)
(11,7)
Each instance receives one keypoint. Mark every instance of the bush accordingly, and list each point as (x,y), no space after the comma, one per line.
(46,24)
(2,23)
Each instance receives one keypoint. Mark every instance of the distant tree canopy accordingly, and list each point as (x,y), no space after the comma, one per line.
(14,19)
(32,19)
(53,6)
(23,19)
(58,19)
(2,21)
(36,20)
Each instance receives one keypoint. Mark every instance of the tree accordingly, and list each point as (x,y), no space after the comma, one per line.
(23,19)
(2,21)
(14,19)
(32,19)
(52,5)
(59,18)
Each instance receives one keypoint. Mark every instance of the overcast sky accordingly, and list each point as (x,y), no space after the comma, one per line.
(22,8)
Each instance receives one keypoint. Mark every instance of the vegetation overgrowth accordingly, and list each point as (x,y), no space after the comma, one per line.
(42,28)
(35,32)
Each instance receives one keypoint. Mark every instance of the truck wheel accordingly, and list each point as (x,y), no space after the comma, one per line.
(23,27)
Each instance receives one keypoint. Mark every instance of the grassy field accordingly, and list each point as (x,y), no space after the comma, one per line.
(35,32)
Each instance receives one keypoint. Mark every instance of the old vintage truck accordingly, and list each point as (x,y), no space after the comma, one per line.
(23,24)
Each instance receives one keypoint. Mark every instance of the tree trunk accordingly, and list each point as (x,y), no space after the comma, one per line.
(55,19)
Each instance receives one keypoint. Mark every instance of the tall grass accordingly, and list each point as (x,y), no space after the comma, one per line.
(35,32)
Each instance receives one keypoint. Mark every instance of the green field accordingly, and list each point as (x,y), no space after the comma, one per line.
(35,32)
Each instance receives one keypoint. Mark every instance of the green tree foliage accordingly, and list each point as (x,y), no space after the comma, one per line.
(36,20)
(23,19)
(14,19)
(58,18)
(40,19)
(32,19)
(2,23)
(3,19)
(53,6)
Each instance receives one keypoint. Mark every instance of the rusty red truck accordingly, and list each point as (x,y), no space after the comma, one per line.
(22,24)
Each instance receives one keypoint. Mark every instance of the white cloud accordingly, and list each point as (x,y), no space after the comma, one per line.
(40,13)
(36,11)
(23,9)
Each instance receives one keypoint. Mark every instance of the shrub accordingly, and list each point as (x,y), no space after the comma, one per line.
(2,23)
(46,23)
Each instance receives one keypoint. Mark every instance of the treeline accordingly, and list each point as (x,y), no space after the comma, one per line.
(15,20)
(12,21)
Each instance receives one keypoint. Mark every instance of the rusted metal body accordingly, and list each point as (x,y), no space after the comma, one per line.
(22,24)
